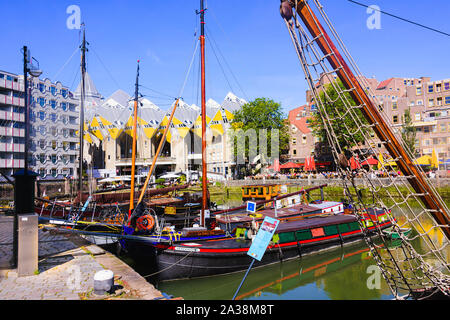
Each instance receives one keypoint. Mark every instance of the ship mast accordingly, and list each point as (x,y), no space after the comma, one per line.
(133,154)
(81,132)
(203,111)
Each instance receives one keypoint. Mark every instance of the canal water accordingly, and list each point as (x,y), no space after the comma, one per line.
(344,273)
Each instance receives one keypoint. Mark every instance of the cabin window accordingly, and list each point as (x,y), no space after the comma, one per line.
(317,232)
(304,235)
(331,230)
(353,226)
(287,237)
(343,228)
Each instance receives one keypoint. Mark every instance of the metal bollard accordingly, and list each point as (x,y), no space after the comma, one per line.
(103,282)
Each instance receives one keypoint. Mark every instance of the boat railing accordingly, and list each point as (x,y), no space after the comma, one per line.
(279,197)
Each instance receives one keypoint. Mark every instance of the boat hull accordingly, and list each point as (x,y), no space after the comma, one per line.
(209,258)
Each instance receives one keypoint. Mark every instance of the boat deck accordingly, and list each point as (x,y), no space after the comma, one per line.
(315,222)
(231,244)
(164,201)
(282,213)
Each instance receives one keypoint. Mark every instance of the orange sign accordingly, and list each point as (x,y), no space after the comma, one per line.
(318,232)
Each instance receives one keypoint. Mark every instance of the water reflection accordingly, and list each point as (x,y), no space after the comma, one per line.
(339,274)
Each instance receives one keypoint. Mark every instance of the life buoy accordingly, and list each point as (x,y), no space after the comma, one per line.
(145,223)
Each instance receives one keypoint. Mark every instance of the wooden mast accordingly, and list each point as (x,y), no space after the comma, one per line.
(371,113)
(203,112)
(81,132)
(158,151)
(133,154)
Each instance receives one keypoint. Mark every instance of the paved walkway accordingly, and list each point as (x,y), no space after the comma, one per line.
(66,268)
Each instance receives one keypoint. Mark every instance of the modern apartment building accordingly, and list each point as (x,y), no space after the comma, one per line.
(54,115)
(12,123)
(110,131)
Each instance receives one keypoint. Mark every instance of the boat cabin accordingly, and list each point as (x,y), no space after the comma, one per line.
(328,206)
(228,222)
(260,192)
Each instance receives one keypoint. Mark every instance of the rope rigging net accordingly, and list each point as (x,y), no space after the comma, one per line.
(417,264)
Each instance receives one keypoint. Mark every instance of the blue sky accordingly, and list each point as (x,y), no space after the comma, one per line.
(250,35)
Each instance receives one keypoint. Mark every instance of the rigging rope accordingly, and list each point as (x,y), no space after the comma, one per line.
(404,268)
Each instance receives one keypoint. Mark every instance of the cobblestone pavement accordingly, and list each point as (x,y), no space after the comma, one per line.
(67,265)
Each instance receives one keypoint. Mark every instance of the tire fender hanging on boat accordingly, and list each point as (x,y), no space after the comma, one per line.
(145,223)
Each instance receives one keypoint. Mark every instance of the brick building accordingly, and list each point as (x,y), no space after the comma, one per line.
(428,102)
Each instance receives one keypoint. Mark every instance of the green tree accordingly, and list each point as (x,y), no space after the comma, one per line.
(262,114)
(409,132)
(344,126)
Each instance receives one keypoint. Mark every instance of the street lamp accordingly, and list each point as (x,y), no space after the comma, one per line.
(24,180)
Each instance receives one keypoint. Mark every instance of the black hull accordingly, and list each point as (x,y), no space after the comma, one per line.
(194,265)
(196,258)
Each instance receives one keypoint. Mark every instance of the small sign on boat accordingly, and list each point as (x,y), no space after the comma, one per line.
(86,204)
(263,237)
(251,206)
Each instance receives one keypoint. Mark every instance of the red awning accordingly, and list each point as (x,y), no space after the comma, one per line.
(275,166)
(310,164)
(354,163)
(290,165)
(370,162)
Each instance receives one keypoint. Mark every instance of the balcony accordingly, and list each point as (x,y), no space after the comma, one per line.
(12,100)
(12,163)
(145,161)
(12,147)
(12,132)
(8,84)
(13,116)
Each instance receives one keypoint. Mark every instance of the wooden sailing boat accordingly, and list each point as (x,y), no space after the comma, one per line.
(97,204)
(103,211)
